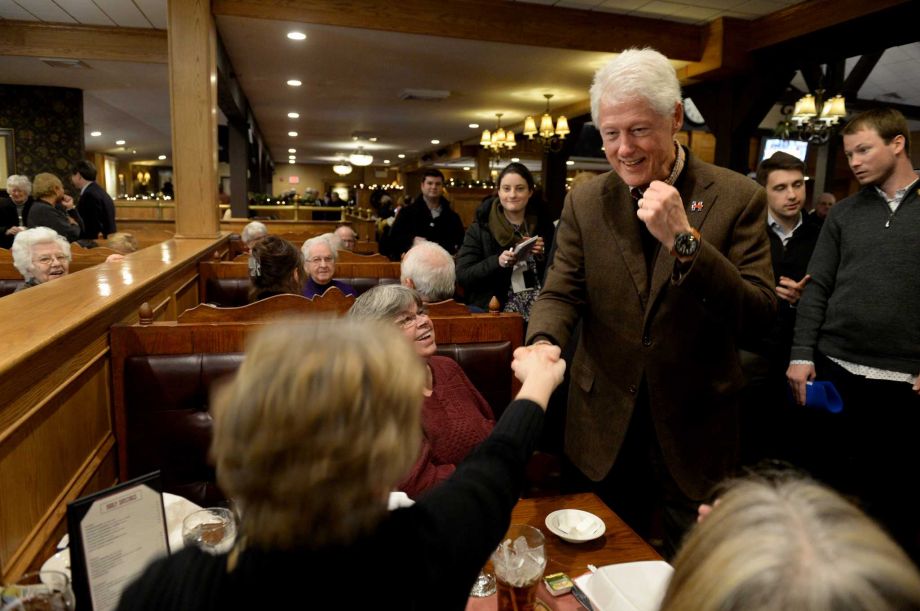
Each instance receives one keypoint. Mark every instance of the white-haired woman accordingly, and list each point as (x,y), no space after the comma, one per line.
(789,543)
(319,257)
(309,447)
(14,210)
(455,417)
(40,255)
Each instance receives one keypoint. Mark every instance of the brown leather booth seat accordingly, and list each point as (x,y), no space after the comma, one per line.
(8,287)
(234,292)
(169,426)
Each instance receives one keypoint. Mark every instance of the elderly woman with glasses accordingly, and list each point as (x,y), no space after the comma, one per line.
(455,417)
(308,449)
(40,255)
(14,211)
(320,255)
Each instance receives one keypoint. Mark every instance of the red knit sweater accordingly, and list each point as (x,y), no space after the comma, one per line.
(455,419)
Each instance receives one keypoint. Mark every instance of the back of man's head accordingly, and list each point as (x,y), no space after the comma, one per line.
(778,161)
(789,544)
(429,269)
(85,169)
(887,122)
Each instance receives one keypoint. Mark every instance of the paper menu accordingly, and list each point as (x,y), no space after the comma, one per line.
(631,586)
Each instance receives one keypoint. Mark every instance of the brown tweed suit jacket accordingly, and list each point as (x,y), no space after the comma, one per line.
(678,332)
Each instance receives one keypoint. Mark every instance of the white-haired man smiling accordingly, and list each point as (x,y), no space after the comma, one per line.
(666,262)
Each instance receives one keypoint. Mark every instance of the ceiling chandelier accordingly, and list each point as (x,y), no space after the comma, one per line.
(549,137)
(807,123)
(342,167)
(499,139)
(360,158)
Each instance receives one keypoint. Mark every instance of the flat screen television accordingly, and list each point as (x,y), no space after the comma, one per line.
(797,148)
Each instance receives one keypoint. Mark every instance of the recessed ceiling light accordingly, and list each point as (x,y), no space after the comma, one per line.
(293,115)
(373,139)
(436,141)
(161,157)
(134,152)
(297,36)
(119,142)
(294,83)
(474,125)
(401,156)
(292,134)
(466,168)
(95,134)
(292,150)
(292,162)
(386,161)
(292,156)
(515,159)
(569,162)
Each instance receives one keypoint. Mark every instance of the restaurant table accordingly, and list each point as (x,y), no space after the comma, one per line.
(619,543)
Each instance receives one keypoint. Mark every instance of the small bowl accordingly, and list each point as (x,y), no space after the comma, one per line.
(569,519)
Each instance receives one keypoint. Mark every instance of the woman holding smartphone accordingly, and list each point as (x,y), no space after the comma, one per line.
(488,264)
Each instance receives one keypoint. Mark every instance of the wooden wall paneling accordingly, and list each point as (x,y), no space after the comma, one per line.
(47,452)
(56,429)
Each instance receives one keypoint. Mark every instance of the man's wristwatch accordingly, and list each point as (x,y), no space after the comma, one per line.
(686,243)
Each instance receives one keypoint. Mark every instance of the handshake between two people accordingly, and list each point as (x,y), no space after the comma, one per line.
(540,369)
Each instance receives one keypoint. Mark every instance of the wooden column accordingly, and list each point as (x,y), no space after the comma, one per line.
(239,166)
(193,109)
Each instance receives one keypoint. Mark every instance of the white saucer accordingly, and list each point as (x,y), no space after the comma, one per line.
(569,518)
(58,562)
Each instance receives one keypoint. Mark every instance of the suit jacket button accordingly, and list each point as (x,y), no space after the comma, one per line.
(646,341)
(632,389)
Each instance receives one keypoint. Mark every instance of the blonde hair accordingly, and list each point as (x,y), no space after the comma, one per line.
(45,184)
(311,440)
(121,242)
(789,544)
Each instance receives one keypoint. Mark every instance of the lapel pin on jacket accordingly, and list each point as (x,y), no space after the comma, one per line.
(696,206)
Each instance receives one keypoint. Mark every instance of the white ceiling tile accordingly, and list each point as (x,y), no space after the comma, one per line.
(620,6)
(578,4)
(46,10)
(719,4)
(155,10)
(11,10)
(124,13)
(84,11)
(737,15)
(757,7)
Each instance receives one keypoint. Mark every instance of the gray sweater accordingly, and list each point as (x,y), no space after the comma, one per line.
(863,302)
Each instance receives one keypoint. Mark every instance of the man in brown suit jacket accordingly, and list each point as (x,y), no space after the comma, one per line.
(666,263)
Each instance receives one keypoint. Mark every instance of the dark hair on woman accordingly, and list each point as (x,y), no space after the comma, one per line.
(521,170)
(275,266)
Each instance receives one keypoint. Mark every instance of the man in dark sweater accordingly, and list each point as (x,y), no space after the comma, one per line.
(429,217)
(858,325)
(770,426)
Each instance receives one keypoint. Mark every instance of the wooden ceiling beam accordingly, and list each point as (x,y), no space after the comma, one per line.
(810,17)
(30,39)
(485,20)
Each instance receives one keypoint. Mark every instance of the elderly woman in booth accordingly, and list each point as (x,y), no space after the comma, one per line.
(14,210)
(319,256)
(455,417)
(274,268)
(40,255)
(309,447)
(53,208)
